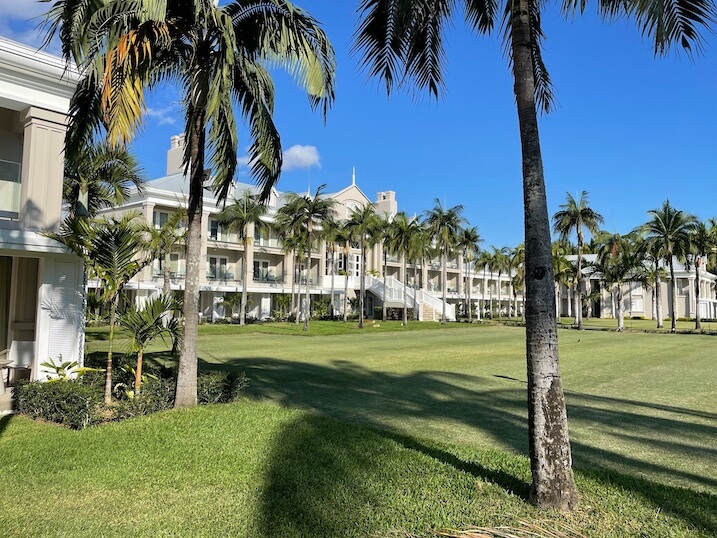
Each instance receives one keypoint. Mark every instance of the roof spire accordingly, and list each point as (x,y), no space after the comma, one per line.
(353,177)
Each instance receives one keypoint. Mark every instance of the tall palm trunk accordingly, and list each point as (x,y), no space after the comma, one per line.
(385,267)
(415,292)
(698,320)
(550,457)
(307,312)
(346,281)
(577,306)
(620,311)
(362,284)
(333,271)
(405,302)
(569,296)
(245,279)
(186,392)
(167,287)
(108,366)
(673,290)
(444,275)
(469,285)
(579,281)
(500,293)
(299,304)
(293,283)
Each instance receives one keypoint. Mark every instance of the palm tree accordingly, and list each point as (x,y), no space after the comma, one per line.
(306,213)
(145,325)
(344,237)
(99,176)
(162,240)
(331,237)
(669,230)
(576,216)
(499,264)
(470,241)
(402,42)
(483,262)
(617,263)
(701,240)
(445,227)
(364,226)
(114,251)
(518,280)
(244,212)
(292,243)
(382,236)
(399,238)
(420,251)
(217,55)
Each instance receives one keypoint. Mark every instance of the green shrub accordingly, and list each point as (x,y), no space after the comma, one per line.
(156,395)
(219,387)
(70,403)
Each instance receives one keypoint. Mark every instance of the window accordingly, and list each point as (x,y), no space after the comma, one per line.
(217,268)
(262,271)
(213,229)
(9,188)
(160,218)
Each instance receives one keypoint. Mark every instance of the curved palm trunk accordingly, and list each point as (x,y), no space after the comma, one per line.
(186,392)
(444,273)
(346,291)
(698,320)
(577,306)
(244,278)
(550,457)
(673,291)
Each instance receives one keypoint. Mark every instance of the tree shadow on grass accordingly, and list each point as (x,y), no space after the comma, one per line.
(4,421)
(387,401)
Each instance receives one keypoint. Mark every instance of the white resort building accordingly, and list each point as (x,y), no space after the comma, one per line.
(41,285)
(271,270)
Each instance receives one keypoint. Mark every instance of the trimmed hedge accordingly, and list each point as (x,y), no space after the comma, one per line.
(69,403)
(393,313)
(78,404)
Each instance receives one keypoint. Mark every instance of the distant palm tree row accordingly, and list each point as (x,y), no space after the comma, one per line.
(645,255)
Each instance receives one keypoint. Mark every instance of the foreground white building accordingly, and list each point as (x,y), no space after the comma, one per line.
(41,284)
(271,270)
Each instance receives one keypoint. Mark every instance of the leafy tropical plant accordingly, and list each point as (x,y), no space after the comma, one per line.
(668,231)
(99,176)
(146,324)
(67,370)
(244,212)
(577,216)
(444,226)
(364,227)
(218,55)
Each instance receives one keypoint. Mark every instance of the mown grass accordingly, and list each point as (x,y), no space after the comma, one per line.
(642,414)
(256,470)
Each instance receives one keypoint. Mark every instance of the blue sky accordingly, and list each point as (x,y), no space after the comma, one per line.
(630,129)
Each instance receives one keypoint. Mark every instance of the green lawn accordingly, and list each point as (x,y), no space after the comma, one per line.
(446,442)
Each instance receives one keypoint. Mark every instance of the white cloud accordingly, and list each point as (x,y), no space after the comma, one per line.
(163,116)
(301,157)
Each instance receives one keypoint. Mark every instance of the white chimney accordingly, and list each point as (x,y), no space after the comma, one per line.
(175,155)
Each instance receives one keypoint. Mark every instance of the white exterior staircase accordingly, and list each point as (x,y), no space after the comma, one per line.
(430,307)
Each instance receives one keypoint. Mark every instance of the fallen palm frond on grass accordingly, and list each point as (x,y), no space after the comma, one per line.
(526,530)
